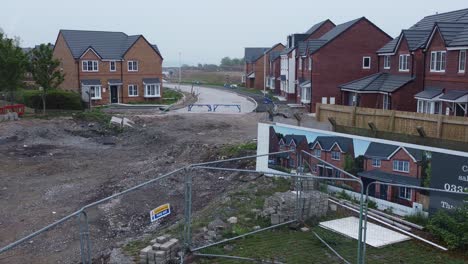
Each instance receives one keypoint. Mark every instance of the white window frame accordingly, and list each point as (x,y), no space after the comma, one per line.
(91,66)
(300,63)
(386,104)
(305,95)
(403,63)
(429,107)
(399,165)
(364,62)
(317,153)
(407,193)
(112,63)
(98,94)
(332,100)
(310,64)
(157,90)
(438,61)
(462,61)
(335,155)
(131,66)
(133,88)
(387,64)
(377,163)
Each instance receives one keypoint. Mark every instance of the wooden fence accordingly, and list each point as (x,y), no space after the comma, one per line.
(453,128)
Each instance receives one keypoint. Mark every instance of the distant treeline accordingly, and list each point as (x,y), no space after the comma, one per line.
(234,64)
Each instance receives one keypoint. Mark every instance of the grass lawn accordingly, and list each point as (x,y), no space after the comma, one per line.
(169,97)
(288,246)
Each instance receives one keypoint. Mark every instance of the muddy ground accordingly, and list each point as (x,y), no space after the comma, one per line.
(51,168)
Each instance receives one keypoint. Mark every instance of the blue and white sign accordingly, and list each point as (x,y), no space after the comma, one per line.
(160,212)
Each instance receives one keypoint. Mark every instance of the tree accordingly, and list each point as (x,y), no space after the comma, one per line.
(226,61)
(13,65)
(44,69)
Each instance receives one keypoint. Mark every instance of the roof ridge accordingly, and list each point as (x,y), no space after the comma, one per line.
(97,31)
(459,10)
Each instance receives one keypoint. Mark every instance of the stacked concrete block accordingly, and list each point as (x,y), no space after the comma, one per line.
(163,251)
(283,207)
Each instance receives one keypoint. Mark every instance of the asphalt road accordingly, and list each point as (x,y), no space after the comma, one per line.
(225,102)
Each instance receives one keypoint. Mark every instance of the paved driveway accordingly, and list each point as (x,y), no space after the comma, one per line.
(227,101)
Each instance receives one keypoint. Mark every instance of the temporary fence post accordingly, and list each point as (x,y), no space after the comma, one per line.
(188,210)
(85,243)
(360,246)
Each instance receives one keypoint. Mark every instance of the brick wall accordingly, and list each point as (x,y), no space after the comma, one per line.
(340,61)
(68,64)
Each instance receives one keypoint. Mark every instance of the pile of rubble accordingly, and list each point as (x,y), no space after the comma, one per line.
(282,207)
(11,116)
(164,250)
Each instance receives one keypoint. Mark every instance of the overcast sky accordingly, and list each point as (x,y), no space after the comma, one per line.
(206,30)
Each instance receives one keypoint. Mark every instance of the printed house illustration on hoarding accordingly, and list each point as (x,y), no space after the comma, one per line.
(329,156)
(393,164)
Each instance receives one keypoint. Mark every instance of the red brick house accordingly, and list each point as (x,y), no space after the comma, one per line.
(109,67)
(343,54)
(422,70)
(298,143)
(333,150)
(393,164)
(274,69)
(290,60)
(256,65)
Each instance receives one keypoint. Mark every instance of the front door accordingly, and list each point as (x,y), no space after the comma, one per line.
(383,191)
(114,94)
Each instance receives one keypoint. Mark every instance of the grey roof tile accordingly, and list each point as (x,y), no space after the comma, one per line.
(390,46)
(316,27)
(151,80)
(429,93)
(108,45)
(383,176)
(461,37)
(416,38)
(453,94)
(274,55)
(379,82)
(382,151)
(346,144)
(428,22)
(314,45)
(253,54)
(296,138)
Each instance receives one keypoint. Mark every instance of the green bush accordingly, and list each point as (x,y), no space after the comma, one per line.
(55,99)
(451,227)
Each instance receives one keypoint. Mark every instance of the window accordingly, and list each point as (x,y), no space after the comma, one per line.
(386,102)
(90,66)
(324,100)
(386,62)
(95,92)
(300,63)
(429,107)
(335,155)
(405,193)
(310,63)
(317,153)
(337,174)
(366,62)
(132,65)
(332,100)
(132,90)
(376,163)
(112,66)
(152,90)
(403,63)
(401,165)
(438,61)
(305,98)
(462,61)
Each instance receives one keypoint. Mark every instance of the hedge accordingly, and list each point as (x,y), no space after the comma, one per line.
(55,99)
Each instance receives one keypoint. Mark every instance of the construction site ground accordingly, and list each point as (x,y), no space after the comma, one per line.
(52,167)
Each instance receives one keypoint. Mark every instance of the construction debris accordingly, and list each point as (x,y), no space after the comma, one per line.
(163,251)
(282,207)
(122,121)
